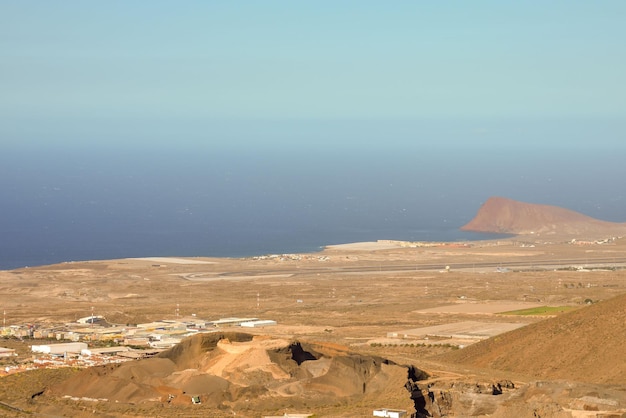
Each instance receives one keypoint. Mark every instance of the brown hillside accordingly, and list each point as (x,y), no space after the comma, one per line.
(501,215)
(586,345)
(235,368)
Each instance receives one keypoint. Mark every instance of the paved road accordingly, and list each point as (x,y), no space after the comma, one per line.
(382,267)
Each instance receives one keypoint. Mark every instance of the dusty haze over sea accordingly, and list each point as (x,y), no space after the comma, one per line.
(235,188)
(227,129)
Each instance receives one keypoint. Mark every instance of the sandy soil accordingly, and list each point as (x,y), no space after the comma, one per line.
(174,260)
(463,330)
(480,307)
(347,296)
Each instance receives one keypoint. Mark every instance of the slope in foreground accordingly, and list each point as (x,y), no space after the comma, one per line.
(585,345)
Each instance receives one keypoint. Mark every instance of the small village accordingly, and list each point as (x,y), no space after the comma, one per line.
(92,341)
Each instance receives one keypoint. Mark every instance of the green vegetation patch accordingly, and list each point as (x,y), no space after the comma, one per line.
(541,310)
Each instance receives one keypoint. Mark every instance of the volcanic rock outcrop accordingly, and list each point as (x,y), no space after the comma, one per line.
(507,216)
(223,369)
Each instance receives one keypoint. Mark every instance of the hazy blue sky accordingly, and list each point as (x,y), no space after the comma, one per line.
(126,64)
(206,127)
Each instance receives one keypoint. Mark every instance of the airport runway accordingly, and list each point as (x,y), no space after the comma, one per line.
(503,266)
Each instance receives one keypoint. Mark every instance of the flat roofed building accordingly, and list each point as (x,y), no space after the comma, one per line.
(258,324)
(231,322)
(390,413)
(7,352)
(164,343)
(155,325)
(59,348)
(90,319)
(138,341)
(103,350)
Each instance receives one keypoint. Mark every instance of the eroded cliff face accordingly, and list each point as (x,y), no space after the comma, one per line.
(454,398)
(227,369)
(507,216)
(505,399)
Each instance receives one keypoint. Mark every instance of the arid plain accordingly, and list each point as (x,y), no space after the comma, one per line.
(413,304)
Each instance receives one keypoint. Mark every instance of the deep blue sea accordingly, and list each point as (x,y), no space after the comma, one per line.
(240,190)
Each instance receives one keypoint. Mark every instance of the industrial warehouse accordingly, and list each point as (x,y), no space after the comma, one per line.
(69,344)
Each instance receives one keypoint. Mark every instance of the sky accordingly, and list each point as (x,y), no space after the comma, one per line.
(70,66)
(182,125)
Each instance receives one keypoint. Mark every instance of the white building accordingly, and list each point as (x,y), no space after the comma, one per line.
(164,343)
(7,352)
(59,348)
(231,322)
(90,319)
(259,323)
(390,413)
(103,351)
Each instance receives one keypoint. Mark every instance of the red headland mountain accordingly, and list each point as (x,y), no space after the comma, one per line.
(502,215)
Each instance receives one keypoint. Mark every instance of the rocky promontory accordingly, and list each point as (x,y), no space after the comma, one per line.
(507,216)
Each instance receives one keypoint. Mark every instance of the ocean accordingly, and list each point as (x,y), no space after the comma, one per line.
(264,188)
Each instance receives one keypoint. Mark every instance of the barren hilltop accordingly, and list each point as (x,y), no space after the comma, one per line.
(502,215)
(585,345)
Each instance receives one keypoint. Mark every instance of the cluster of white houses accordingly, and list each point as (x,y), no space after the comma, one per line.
(122,343)
(159,334)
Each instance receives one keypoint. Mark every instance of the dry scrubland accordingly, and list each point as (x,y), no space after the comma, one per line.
(352,297)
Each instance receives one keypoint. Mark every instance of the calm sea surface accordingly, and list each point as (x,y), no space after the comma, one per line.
(281,191)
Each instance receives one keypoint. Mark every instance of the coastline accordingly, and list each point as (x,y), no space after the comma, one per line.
(363,246)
